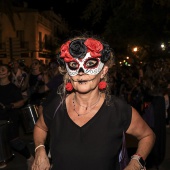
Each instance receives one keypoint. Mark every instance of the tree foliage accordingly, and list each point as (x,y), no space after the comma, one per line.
(139,22)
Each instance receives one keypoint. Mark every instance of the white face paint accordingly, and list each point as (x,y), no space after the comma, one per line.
(88,65)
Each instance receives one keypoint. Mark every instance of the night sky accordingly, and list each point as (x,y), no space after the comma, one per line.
(70,12)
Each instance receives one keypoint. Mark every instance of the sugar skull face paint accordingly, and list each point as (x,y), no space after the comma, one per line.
(88,65)
(84,55)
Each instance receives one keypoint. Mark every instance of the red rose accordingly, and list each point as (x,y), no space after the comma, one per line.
(69,87)
(65,52)
(102,85)
(94,47)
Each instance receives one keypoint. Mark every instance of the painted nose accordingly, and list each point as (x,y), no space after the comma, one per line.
(81,70)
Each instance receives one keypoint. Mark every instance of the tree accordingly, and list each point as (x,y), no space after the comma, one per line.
(139,22)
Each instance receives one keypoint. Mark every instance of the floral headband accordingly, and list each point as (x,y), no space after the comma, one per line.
(78,48)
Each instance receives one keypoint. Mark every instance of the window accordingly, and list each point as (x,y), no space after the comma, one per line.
(47,42)
(40,41)
(21,37)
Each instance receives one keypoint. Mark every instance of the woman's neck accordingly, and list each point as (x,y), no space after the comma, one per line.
(4,82)
(87,99)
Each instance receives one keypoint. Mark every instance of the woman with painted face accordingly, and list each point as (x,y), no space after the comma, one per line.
(85,122)
(11,100)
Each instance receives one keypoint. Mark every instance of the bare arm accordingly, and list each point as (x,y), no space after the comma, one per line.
(40,131)
(41,161)
(13,105)
(139,129)
(18,104)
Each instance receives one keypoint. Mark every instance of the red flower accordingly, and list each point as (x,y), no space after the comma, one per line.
(102,85)
(69,87)
(65,52)
(94,47)
(78,49)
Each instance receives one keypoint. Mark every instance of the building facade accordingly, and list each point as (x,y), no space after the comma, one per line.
(32,37)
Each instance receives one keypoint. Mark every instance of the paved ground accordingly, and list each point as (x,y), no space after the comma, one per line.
(19,163)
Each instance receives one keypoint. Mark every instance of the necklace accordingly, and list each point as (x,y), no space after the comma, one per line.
(84,106)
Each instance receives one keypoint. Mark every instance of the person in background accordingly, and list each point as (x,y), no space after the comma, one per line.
(35,82)
(53,68)
(11,101)
(86,123)
(166,97)
(154,115)
(56,78)
(19,77)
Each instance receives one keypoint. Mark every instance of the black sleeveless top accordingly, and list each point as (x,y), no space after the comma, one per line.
(95,145)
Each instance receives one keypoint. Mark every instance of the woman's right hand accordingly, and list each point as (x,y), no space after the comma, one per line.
(41,161)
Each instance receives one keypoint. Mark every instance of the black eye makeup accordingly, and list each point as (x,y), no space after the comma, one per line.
(91,63)
(73,65)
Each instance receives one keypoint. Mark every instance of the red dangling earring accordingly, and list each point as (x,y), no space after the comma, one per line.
(69,86)
(102,85)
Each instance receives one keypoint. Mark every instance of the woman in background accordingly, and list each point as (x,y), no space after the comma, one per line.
(35,82)
(11,100)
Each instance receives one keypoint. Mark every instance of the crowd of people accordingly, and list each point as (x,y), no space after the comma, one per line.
(36,80)
(146,87)
(21,86)
(85,103)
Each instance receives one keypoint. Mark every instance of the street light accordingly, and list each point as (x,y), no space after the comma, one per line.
(135,49)
(163,46)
